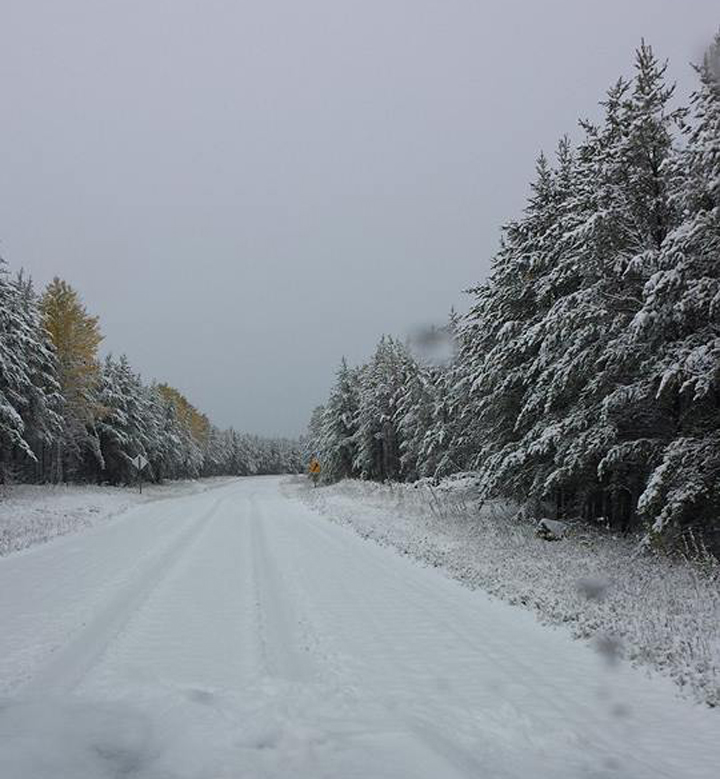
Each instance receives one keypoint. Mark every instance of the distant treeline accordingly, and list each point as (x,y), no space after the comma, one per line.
(587,374)
(67,416)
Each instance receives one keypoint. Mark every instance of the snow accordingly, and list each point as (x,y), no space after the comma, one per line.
(665,613)
(551,529)
(33,514)
(238,633)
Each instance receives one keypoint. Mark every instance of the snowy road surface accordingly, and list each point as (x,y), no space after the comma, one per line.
(235,633)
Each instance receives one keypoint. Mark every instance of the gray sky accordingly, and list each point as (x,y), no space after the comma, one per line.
(246,191)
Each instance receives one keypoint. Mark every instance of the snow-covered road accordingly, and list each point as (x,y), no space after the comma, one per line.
(235,633)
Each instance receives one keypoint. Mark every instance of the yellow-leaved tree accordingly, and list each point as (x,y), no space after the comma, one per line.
(76,337)
(194,427)
(196,423)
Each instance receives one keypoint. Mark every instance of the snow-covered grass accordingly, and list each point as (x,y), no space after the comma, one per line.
(33,514)
(654,611)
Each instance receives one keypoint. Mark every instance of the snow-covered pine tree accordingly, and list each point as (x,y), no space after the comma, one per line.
(586,446)
(216,453)
(312,441)
(591,357)
(426,414)
(503,336)
(546,343)
(678,329)
(635,215)
(190,429)
(336,446)
(453,438)
(377,437)
(414,419)
(29,391)
(124,425)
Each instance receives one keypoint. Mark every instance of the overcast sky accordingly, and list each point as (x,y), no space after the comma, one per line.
(246,191)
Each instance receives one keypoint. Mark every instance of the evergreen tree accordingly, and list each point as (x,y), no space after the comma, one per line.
(678,330)
(125,426)
(337,448)
(377,437)
(588,368)
(29,392)
(554,321)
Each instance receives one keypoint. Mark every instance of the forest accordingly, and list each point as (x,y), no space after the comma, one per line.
(67,415)
(584,382)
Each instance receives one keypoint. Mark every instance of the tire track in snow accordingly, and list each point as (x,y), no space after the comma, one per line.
(277,644)
(426,600)
(285,654)
(279,638)
(68,666)
(426,738)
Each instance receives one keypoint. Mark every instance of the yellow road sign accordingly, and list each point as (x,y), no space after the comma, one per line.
(314,467)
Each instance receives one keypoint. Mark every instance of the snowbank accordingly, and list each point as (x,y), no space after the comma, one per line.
(663,614)
(33,514)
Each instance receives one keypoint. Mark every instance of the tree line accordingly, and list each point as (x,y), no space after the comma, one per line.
(66,415)
(586,374)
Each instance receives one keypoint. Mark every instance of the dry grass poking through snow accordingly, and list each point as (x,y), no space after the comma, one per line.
(658,612)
